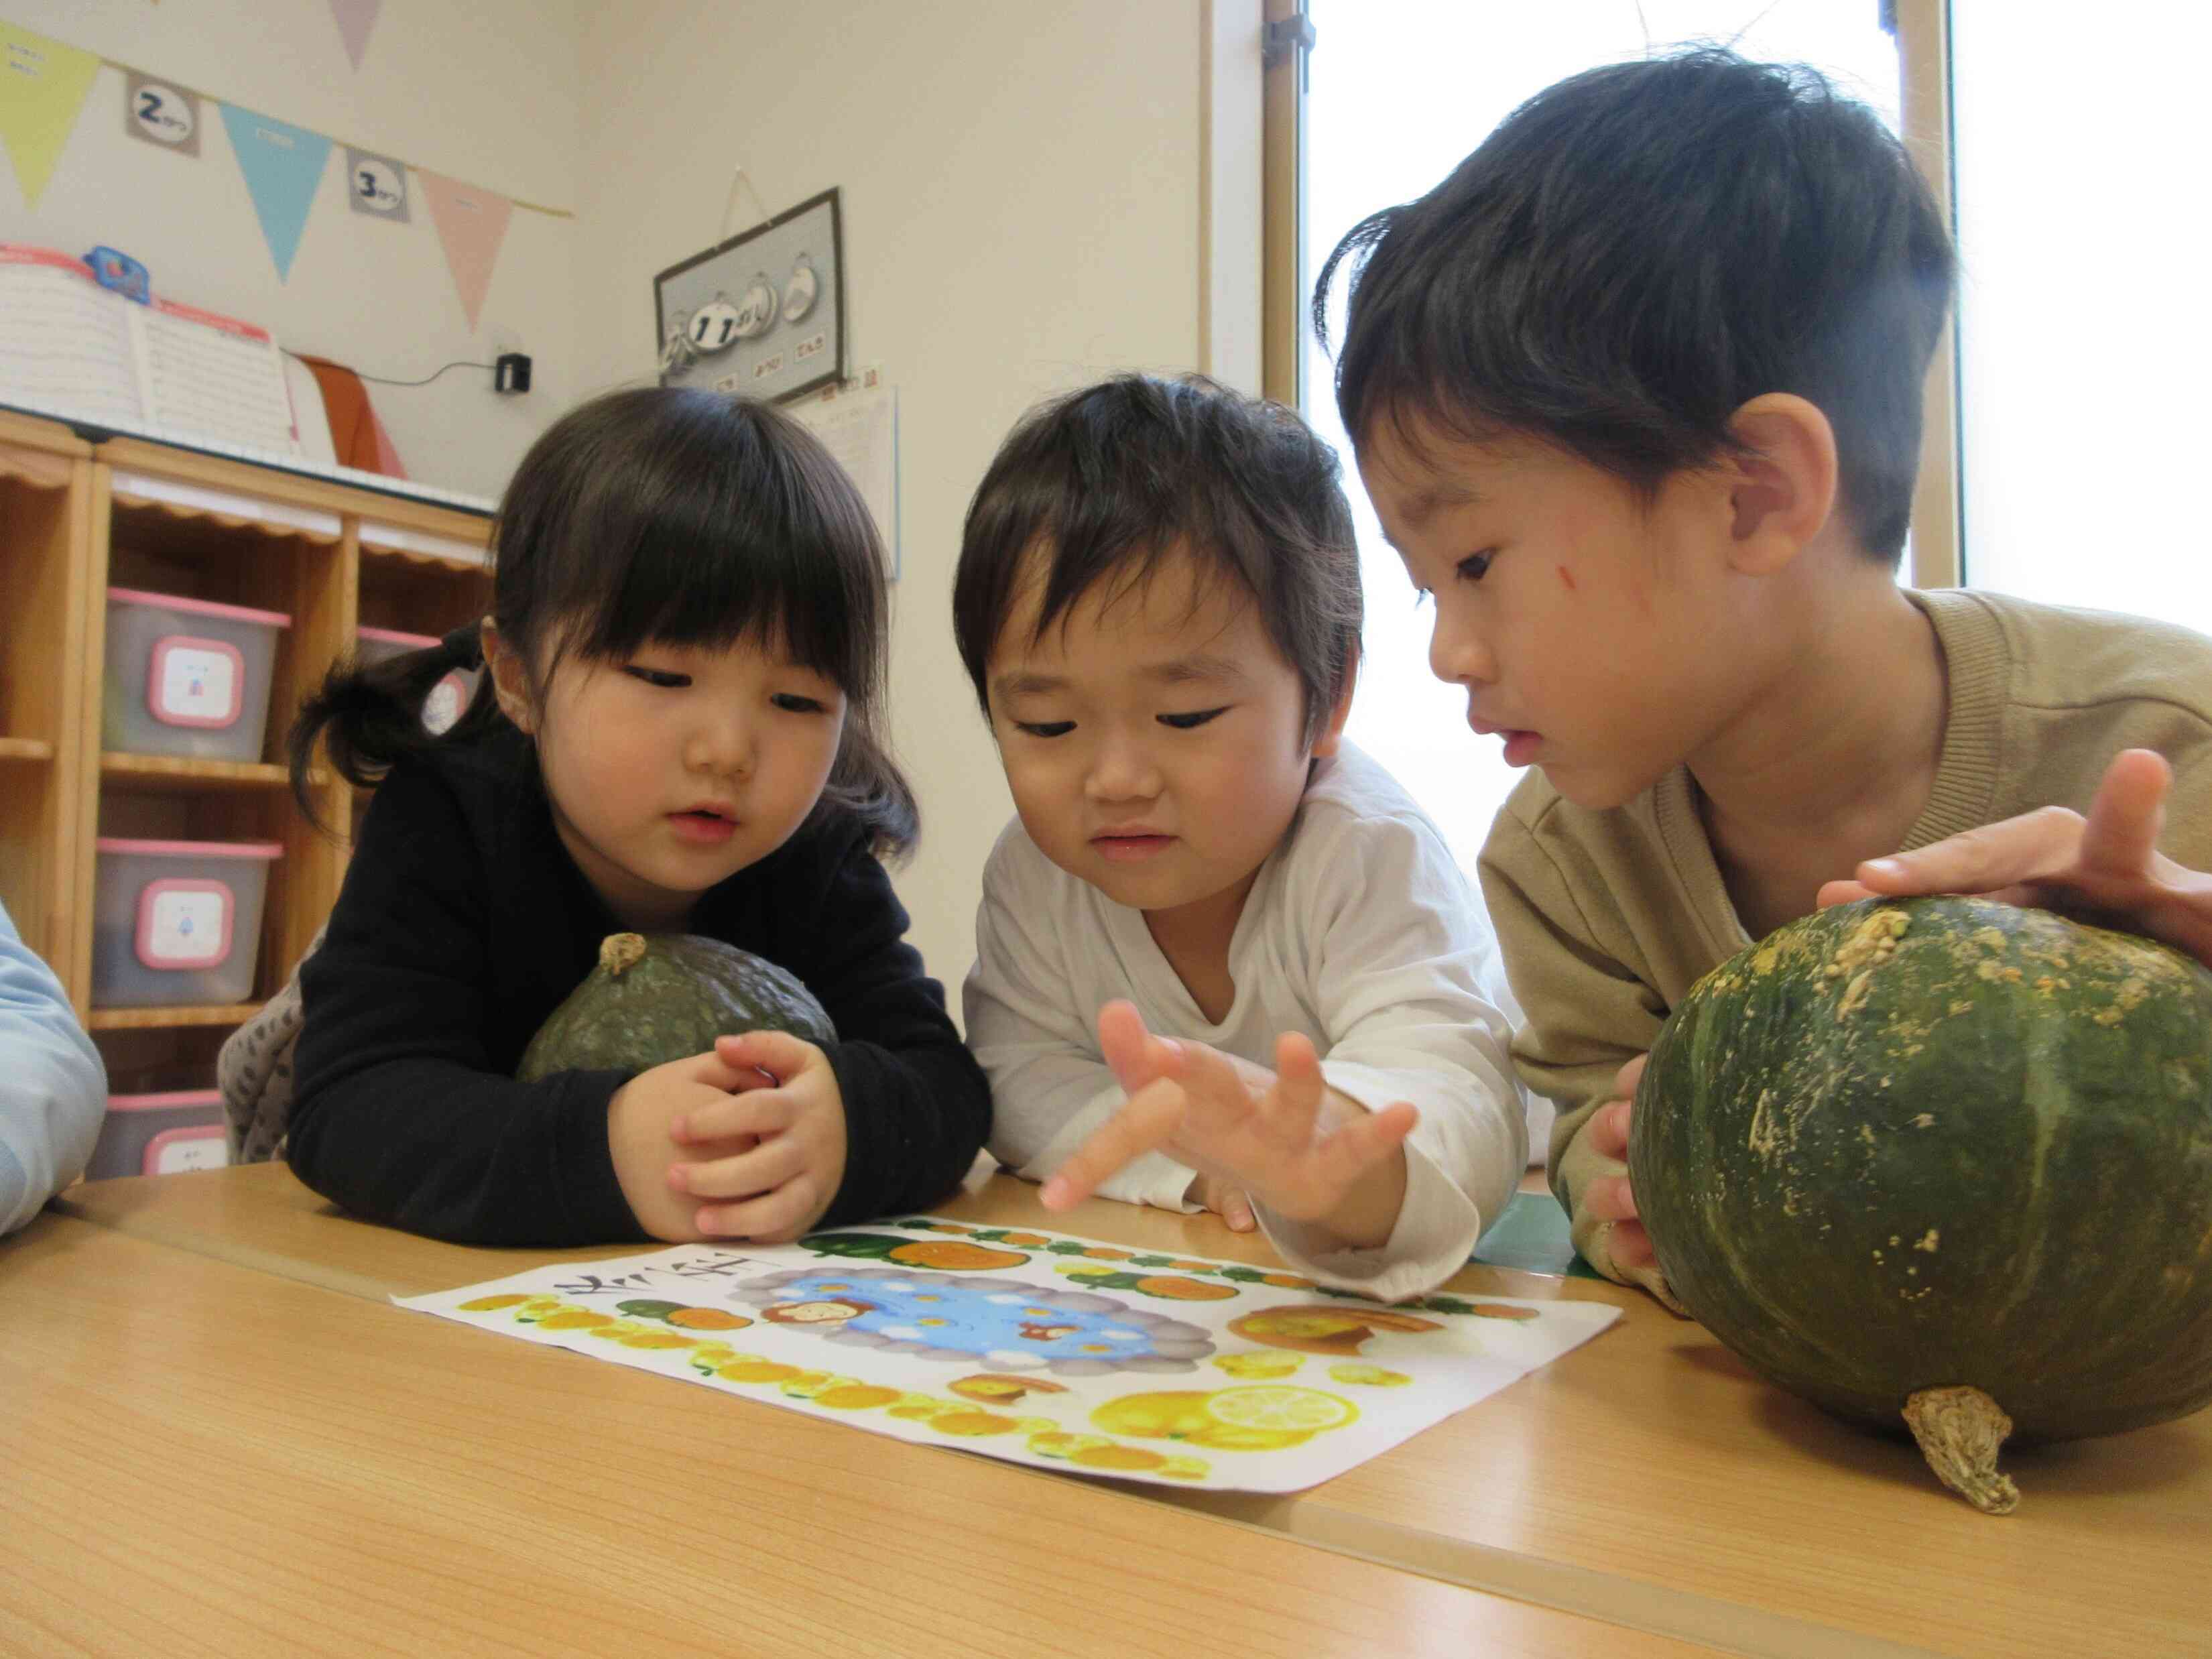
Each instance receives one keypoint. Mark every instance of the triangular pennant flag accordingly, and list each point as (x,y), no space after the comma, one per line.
(43,86)
(471,223)
(282,165)
(354,19)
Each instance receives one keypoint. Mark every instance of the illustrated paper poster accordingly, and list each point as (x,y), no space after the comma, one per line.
(1041,1348)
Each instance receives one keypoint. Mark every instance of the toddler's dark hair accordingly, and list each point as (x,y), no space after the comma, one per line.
(668,516)
(1103,485)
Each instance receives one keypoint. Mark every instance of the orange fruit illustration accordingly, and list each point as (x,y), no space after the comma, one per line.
(493,1303)
(575,1319)
(1025,1241)
(1184,1289)
(708,1319)
(756,1371)
(656,1340)
(1501,1310)
(856,1396)
(951,1256)
(1100,1253)
(1286,1281)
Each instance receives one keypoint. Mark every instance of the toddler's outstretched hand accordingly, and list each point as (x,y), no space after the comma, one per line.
(2105,866)
(1281,1136)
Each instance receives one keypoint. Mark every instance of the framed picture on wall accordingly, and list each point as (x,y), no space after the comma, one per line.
(762,313)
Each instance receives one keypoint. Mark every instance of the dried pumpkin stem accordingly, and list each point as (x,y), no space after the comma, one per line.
(1960,1431)
(619,953)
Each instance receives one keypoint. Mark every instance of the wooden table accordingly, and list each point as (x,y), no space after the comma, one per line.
(1644,1479)
(202,1458)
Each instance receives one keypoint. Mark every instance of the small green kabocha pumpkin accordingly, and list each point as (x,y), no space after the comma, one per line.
(1944,1162)
(659,997)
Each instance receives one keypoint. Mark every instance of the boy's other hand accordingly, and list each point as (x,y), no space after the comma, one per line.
(1237,1124)
(1623,1243)
(2105,868)
(1226,1199)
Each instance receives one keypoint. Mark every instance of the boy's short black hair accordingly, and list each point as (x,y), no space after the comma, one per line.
(1102,485)
(1640,250)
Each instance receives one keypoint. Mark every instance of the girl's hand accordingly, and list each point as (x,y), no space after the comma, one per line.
(788,1102)
(2103,866)
(639,1119)
(1245,1128)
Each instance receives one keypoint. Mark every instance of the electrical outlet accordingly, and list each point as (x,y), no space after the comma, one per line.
(510,372)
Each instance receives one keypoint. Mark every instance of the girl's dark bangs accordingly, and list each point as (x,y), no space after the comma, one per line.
(703,567)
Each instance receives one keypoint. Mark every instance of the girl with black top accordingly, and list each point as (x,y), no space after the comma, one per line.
(677,731)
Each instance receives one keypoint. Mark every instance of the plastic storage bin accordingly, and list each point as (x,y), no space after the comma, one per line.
(177,921)
(159,1135)
(447,699)
(187,677)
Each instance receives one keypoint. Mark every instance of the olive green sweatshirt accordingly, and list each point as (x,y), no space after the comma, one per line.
(1608,918)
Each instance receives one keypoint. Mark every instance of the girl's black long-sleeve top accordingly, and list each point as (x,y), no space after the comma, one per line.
(463,922)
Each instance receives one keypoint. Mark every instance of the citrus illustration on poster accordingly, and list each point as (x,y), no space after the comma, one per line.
(1043,1348)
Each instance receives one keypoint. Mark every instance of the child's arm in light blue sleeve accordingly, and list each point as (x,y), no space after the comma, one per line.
(53,1088)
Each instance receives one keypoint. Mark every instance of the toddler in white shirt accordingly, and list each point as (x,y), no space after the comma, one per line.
(1224,962)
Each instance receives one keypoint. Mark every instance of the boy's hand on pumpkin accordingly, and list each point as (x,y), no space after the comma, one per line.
(786,1097)
(1284,1137)
(2105,868)
(639,1118)
(1622,1249)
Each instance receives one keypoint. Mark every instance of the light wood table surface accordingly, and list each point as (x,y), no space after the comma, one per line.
(1645,1478)
(204,1459)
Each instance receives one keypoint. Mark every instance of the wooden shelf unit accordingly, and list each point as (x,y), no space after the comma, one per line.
(77,518)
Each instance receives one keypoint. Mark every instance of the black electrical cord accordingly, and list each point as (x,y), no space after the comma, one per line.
(378,378)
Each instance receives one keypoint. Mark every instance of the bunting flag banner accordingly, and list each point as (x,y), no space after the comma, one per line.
(471,223)
(377,185)
(43,86)
(283,164)
(355,20)
(156,113)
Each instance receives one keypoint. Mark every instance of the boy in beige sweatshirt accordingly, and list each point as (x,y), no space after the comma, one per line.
(1636,393)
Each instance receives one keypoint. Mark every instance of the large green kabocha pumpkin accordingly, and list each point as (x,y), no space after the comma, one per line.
(1945,1160)
(659,997)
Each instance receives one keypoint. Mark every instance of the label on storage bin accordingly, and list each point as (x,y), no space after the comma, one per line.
(175,1150)
(199,682)
(185,924)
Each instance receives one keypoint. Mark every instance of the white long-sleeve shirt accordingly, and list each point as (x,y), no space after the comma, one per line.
(1360,931)
(53,1088)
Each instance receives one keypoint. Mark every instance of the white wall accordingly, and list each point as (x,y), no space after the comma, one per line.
(485,92)
(1021,189)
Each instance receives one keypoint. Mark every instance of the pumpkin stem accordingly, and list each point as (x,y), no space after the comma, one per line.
(1960,1431)
(620,952)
